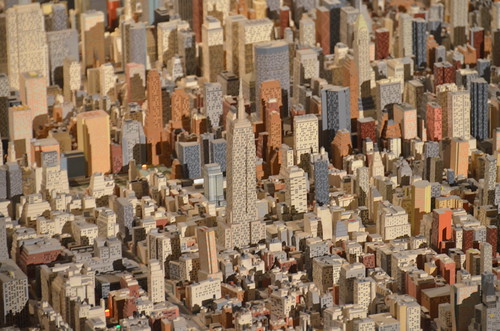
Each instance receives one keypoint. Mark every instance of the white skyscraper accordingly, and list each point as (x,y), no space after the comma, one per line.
(296,189)
(212,96)
(241,193)
(27,48)
(305,136)
(405,47)
(459,10)
(458,114)
(156,282)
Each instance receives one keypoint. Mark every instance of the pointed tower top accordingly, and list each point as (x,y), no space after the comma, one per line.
(361,22)
(241,102)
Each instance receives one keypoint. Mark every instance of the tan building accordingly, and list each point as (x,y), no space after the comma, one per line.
(107,79)
(33,92)
(250,33)
(362,55)
(213,48)
(459,156)
(93,140)
(207,245)
(406,310)
(326,271)
(21,129)
(232,41)
(92,28)
(421,198)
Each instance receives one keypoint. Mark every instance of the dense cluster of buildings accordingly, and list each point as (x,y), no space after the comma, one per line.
(249,165)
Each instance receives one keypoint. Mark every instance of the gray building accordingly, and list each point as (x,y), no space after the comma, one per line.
(431,149)
(321,184)
(133,142)
(335,113)
(435,27)
(479,117)
(189,155)
(205,139)
(4,251)
(487,312)
(218,152)
(334,7)
(484,69)
(187,50)
(213,183)
(229,83)
(62,44)
(58,18)
(4,105)
(464,77)
(212,101)
(134,43)
(185,10)
(74,163)
(419,43)
(388,92)
(124,215)
(13,292)
(3,183)
(272,63)
(14,181)
(488,169)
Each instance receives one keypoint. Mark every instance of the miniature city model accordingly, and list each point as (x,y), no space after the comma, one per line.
(306,165)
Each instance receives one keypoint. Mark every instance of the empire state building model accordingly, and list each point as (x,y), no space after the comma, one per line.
(241,227)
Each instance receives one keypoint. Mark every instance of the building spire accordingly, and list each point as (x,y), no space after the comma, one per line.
(11,153)
(241,103)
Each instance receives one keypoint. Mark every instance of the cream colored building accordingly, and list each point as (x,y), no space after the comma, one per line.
(458,114)
(156,282)
(27,48)
(296,189)
(198,293)
(305,136)
(392,221)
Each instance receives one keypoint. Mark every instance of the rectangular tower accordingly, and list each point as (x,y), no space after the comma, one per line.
(213,48)
(241,179)
(93,139)
(335,113)
(92,29)
(26,42)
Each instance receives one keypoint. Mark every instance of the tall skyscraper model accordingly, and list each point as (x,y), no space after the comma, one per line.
(241,194)
(362,56)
